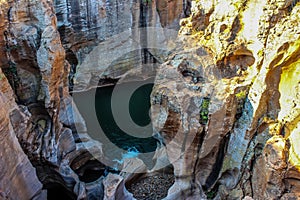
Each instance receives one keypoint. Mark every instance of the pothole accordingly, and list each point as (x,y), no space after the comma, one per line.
(91,171)
(57,191)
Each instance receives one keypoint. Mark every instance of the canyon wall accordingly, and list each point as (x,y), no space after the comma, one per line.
(39,109)
(225,103)
(18,176)
(116,32)
(41,43)
(232,102)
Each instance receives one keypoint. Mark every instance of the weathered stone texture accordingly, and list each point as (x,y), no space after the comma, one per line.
(225,105)
(247,147)
(18,176)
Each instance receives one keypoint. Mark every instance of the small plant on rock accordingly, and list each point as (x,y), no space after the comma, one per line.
(204,110)
(241,95)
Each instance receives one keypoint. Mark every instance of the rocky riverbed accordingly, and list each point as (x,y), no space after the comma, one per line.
(152,187)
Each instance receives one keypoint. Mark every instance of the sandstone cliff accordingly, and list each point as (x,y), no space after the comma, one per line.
(233,93)
(225,104)
(33,60)
(18,176)
(38,108)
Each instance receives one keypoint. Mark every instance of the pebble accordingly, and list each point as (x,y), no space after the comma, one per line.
(152,187)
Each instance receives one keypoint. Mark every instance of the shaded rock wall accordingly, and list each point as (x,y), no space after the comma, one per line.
(33,60)
(18,176)
(171,12)
(87,26)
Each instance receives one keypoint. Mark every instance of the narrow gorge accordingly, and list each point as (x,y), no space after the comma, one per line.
(149,99)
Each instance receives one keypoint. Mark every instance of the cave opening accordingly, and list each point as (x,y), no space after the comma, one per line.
(57,191)
(91,171)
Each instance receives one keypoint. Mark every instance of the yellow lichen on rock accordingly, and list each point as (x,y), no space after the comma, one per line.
(294,152)
(289,88)
(255,44)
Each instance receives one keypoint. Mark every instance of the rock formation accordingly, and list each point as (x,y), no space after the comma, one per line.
(18,176)
(225,104)
(37,107)
(245,147)
(33,60)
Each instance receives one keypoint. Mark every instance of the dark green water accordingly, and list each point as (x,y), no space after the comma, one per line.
(118,117)
(137,109)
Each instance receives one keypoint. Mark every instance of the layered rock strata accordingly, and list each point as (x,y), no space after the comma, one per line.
(43,120)
(18,176)
(225,104)
(230,106)
(84,25)
(41,43)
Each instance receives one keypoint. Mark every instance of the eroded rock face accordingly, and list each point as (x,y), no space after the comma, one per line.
(18,176)
(225,104)
(44,121)
(194,114)
(83,24)
(247,146)
(37,66)
(114,188)
(108,38)
(171,12)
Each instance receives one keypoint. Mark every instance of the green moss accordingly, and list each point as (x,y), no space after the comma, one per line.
(205,103)
(204,111)
(241,95)
(211,194)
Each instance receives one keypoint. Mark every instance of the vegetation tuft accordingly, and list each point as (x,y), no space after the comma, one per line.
(204,110)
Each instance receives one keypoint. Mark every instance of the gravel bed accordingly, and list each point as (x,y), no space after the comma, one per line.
(152,187)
